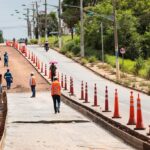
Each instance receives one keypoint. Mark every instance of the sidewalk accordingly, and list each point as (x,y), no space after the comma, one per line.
(32,124)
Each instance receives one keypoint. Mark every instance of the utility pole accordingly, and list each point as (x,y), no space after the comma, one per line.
(59,24)
(81,29)
(116,41)
(45,20)
(33,20)
(102,41)
(37,20)
(28,27)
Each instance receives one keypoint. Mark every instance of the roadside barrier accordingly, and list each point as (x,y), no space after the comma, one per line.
(131,115)
(62,80)
(45,70)
(139,123)
(86,93)
(116,106)
(95,96)
(65,83)
(106,101)
(82,91)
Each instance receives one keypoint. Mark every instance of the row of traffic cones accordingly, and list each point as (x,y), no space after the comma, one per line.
(84,96)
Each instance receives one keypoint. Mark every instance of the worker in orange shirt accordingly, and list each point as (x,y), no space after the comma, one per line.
(33,84)
(56,93)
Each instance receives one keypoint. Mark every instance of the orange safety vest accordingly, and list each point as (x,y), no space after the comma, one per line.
(55,88)
(33,82)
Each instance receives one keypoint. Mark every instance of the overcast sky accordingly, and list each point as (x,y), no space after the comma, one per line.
(11,25)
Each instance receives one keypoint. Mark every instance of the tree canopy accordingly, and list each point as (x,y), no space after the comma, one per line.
(133,21)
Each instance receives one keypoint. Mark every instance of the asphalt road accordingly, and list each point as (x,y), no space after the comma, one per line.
(79,73)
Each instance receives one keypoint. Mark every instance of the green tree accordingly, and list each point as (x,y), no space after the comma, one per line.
(1,37)
(52,23)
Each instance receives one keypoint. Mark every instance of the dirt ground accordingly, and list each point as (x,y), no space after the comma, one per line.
(20,69)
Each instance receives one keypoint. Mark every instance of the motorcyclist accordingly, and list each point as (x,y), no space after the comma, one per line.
(46,46)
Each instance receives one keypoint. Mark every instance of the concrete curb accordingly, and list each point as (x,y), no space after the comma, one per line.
(103,76)
(121,131)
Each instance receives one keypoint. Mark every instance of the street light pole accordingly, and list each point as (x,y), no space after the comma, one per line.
(102,42)
(46,20)
(82,29)
(37,19)
(116,41)
(59,24)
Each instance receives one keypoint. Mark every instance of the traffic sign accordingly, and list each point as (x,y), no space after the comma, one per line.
(122,50)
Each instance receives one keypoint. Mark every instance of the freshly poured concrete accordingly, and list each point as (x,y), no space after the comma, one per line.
(32,125)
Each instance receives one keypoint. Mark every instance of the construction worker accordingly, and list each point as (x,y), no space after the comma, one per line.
(9,79)
(56,93)
(33,85)
(53,71)
(5,59)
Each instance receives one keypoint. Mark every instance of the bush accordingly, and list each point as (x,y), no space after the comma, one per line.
(139,64)
(34,41)
(70,45)
(63,50)
(84,61)
(148,73)
(92,59)
(69,54)
(76,49)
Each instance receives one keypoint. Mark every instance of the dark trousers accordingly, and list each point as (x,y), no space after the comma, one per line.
(5,63)
(56,101)
(33,90)
(8,84)
(52,76)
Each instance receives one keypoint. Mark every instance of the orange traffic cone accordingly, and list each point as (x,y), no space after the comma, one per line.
(42,67)
(65,83)
(86,93)
(45,70)
(82,91)
(95,97)
(72,87)
(131,117)
(62,80)
(106,101)
(32,56)
(116,106)
(38,64)
(139,124)
(70,84)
